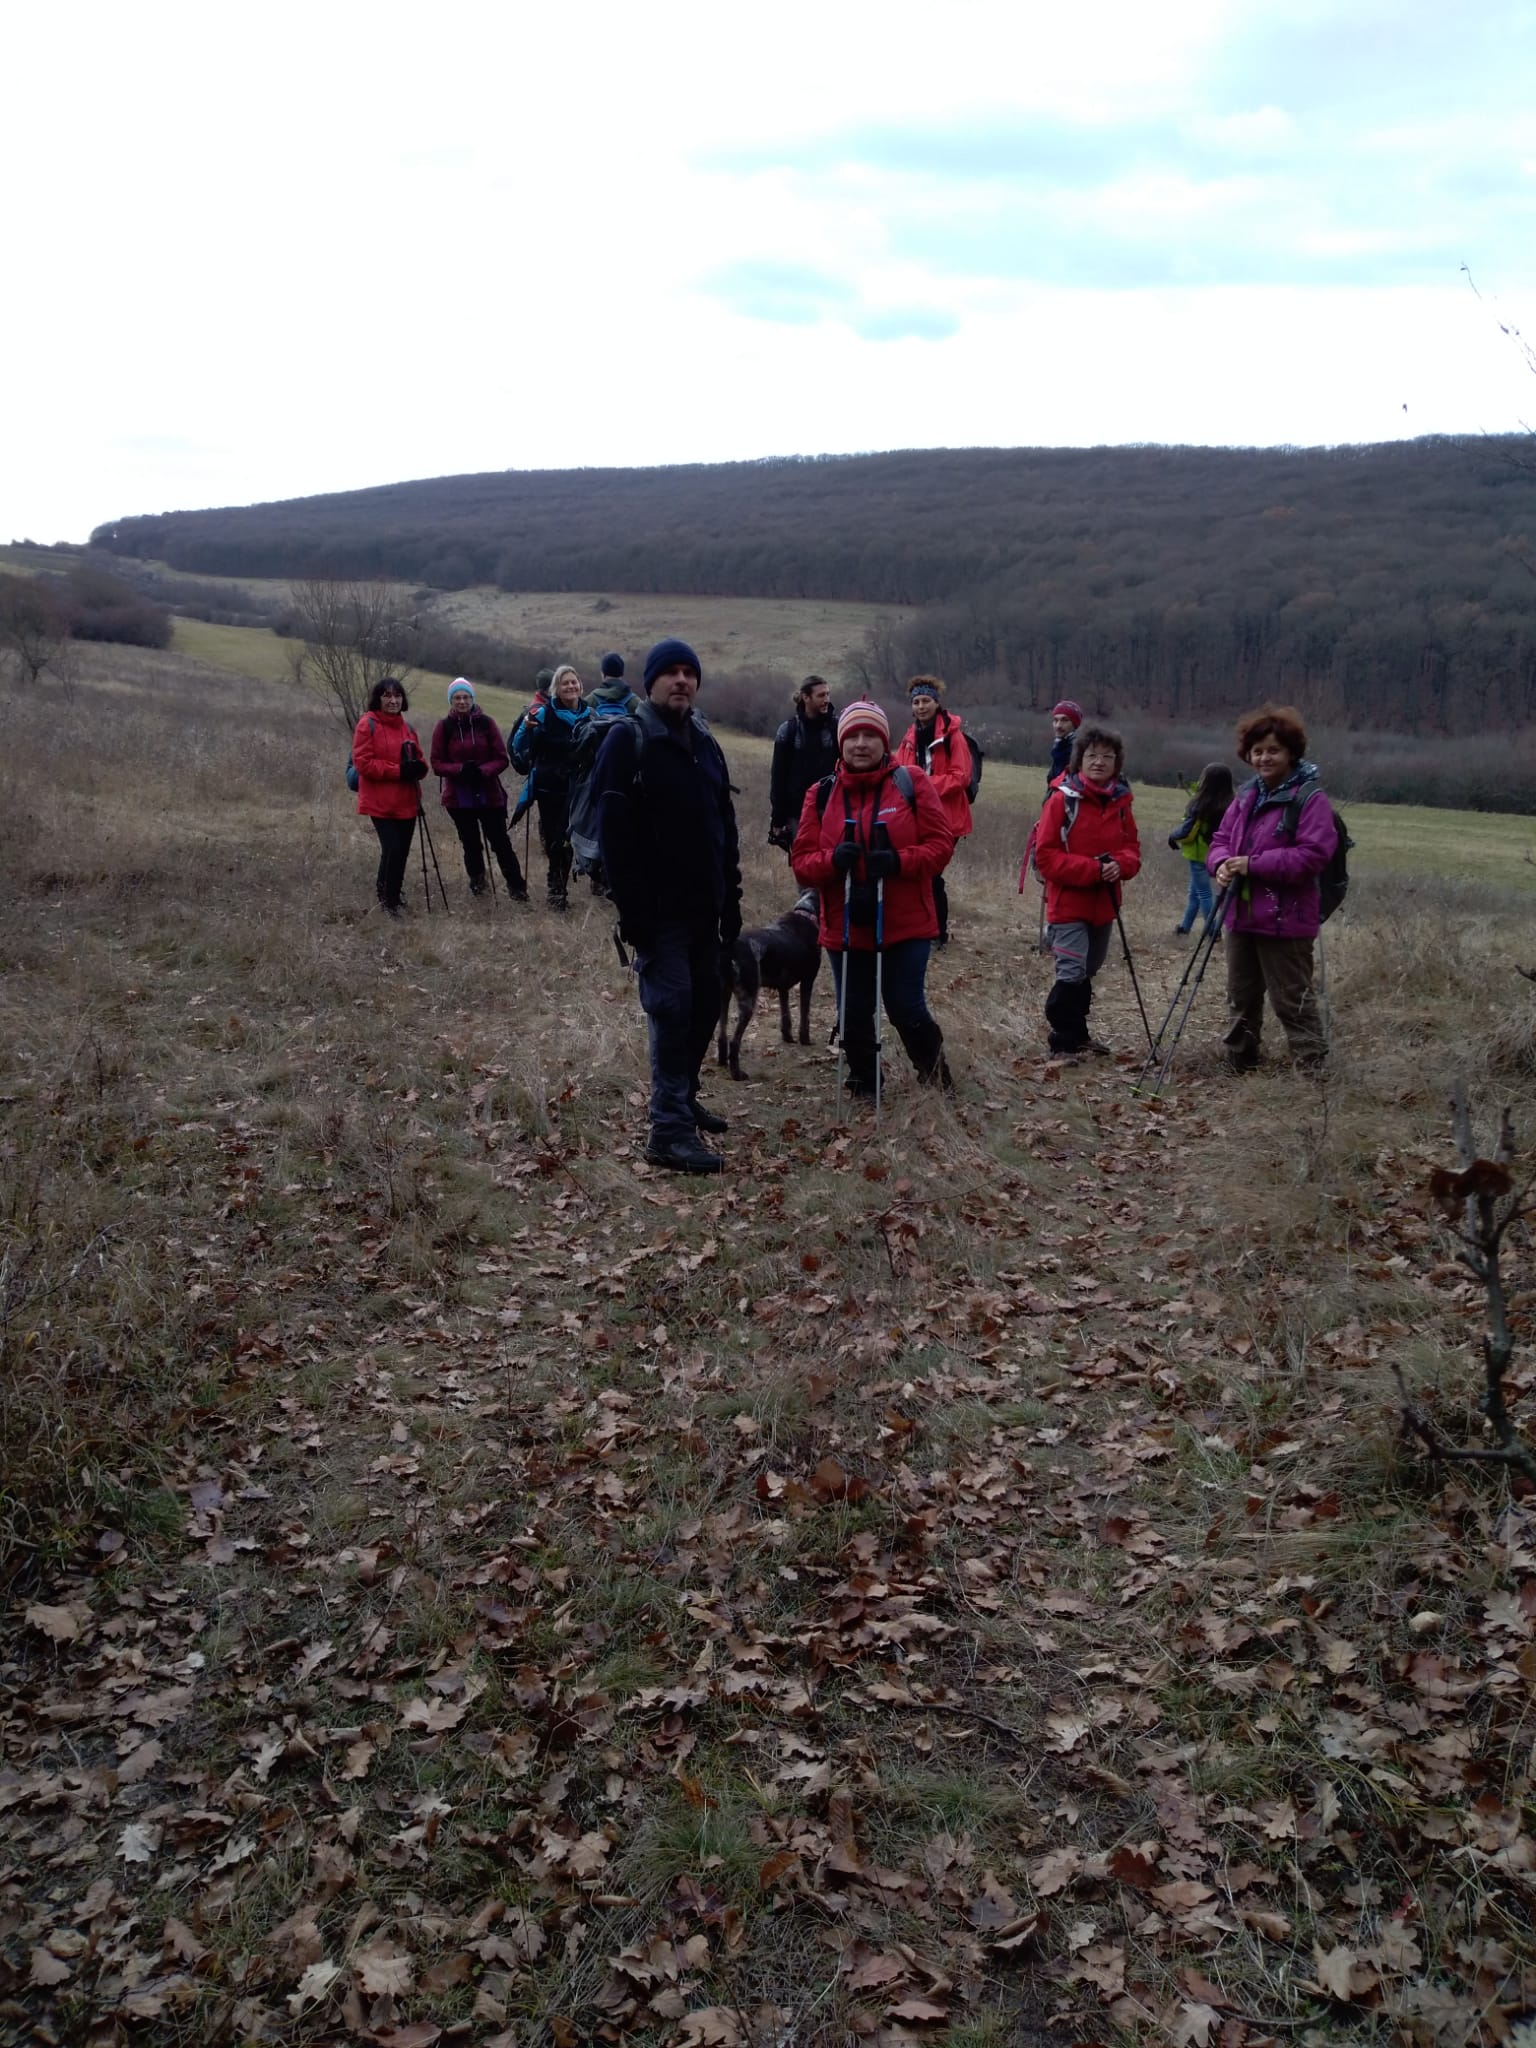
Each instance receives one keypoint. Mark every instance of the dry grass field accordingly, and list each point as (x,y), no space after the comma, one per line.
(957,1582)
(795,635)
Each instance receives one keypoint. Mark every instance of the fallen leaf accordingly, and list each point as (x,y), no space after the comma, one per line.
(383,1969)
(138,1841)
(48,1970)
(313,1986)
(922,2011)
(178,1938)
(1342,1973)
(711,2026)
(1193,2025)
(59,1624)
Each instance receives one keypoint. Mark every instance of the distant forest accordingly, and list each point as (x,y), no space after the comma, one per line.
(1391,587)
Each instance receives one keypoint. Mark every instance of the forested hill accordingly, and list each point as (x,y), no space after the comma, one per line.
(1388,583)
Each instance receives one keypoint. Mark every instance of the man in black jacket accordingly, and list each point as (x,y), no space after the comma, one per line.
(666,832)
(804,750)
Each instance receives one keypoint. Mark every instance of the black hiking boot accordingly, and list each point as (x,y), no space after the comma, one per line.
(706,1120)
(682,1155)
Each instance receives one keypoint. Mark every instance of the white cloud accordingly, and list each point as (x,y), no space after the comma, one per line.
(314,247)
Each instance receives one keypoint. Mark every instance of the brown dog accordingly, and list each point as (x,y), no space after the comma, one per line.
(780,956)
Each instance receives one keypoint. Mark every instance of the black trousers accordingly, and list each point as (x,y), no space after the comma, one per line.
(555,837)
(679,977)
(479,829)
(395,836)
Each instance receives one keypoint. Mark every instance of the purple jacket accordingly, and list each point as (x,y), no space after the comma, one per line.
(1278,898)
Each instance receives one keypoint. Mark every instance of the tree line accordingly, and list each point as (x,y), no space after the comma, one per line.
(41,615)
(1392,585)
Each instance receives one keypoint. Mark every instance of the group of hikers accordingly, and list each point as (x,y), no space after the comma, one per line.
(552,746)
(635,792)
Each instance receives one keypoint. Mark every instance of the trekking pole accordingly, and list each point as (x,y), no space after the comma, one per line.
(1130,968)
(1199,960)
(421,848)
(1215,912)
(428,847)
(879,1014)
(485,855)
(842,979)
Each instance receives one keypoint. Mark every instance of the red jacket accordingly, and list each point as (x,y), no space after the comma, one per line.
(918,832)
(1066,853)
(458,743)
(948,766)
(376,746)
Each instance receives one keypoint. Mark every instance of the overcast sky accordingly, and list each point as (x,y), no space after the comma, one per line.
(261,252)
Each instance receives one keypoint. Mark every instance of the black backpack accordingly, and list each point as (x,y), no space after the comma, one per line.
(1333,882)
(978,758)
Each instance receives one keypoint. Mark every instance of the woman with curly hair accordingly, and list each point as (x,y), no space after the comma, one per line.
(1269,851)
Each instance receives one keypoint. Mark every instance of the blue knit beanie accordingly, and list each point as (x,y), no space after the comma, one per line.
(667,654)
(613,666)
(461,683)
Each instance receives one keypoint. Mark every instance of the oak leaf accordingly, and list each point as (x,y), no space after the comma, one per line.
(711,2026)
(383,1969)
(1342,1973)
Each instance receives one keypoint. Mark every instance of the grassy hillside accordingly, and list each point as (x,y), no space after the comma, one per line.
(958,1581)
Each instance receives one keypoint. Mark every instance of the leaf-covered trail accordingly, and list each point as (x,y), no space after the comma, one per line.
(933,1585)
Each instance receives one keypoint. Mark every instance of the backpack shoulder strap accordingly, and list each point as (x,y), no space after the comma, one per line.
(901,775)
(824,794)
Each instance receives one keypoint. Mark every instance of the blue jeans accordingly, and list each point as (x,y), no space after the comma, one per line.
(903,972)
(679,978)
(1201,899)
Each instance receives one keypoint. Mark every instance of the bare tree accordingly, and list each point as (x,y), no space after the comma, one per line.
(1479,1200)
(355,632)
(34,626)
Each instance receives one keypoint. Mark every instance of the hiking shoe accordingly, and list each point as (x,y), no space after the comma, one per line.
(478,886)
(860,1089)
(706,1120)
(1099,1049)
(682,1155)
(519,895)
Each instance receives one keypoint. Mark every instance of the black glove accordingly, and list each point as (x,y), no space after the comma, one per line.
(781,836)
(638,933)
(845,856)
(730,928)
(469,774)
(412,768)
(881,863)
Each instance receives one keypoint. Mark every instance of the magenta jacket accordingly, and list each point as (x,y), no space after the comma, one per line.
(460,742)
(1278,897)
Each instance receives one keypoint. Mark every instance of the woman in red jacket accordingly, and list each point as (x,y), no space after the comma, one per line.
(390,771)
(872,823)
(936,743)
(1086,846)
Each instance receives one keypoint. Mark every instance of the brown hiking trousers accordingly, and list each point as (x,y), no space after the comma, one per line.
(1282,970)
